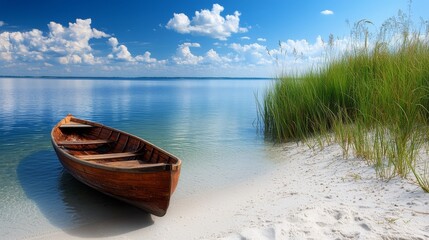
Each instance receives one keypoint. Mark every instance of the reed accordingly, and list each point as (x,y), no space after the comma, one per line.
(373,98)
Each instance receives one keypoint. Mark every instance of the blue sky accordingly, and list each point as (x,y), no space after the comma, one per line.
(179,38)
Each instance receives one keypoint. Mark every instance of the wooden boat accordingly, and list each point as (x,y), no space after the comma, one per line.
(116,163)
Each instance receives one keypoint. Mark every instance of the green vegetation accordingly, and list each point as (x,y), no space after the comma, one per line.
(373,100)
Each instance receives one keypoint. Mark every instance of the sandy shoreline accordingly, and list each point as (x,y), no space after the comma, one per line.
(309,195)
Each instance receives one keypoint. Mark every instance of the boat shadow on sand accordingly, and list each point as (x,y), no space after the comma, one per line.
(72,206)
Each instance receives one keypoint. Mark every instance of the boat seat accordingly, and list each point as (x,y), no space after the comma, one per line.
(131,164)
(75,125)
(84,142)
(109,155)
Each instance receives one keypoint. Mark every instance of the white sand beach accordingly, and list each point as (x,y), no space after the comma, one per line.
(311,194)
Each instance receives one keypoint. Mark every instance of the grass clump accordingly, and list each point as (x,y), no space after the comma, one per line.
(374,98)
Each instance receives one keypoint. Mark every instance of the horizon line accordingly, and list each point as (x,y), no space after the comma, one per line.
(100,77)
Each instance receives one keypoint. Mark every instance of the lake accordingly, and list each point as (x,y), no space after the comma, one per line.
(209,123)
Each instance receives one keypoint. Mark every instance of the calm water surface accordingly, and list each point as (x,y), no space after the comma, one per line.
(209,124)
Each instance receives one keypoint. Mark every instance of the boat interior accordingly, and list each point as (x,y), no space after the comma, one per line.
(110,147)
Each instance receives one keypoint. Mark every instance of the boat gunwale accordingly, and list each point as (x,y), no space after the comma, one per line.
(141,169)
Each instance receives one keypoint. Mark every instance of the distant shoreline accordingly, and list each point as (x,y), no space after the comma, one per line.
(137,78)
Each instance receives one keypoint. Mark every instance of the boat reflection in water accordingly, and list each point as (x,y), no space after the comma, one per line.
(72,206)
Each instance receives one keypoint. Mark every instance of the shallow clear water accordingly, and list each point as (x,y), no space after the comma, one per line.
(208,123)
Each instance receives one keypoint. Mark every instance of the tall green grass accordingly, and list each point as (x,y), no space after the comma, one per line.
(374,100)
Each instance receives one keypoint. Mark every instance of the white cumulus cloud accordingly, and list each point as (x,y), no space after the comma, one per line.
(120,52)
(251,53)
(184,55)
(64,45)
(73,41)
(212,57)
(68,45)
(327,12)
(145,58)
(180,22)
(207,23)
(297,56)
(75,59)
(2,23)
(303,47)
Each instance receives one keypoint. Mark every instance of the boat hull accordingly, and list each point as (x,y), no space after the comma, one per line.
(147,188)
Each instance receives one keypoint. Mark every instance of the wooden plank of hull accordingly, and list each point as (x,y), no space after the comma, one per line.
(86,142)
(149,191)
